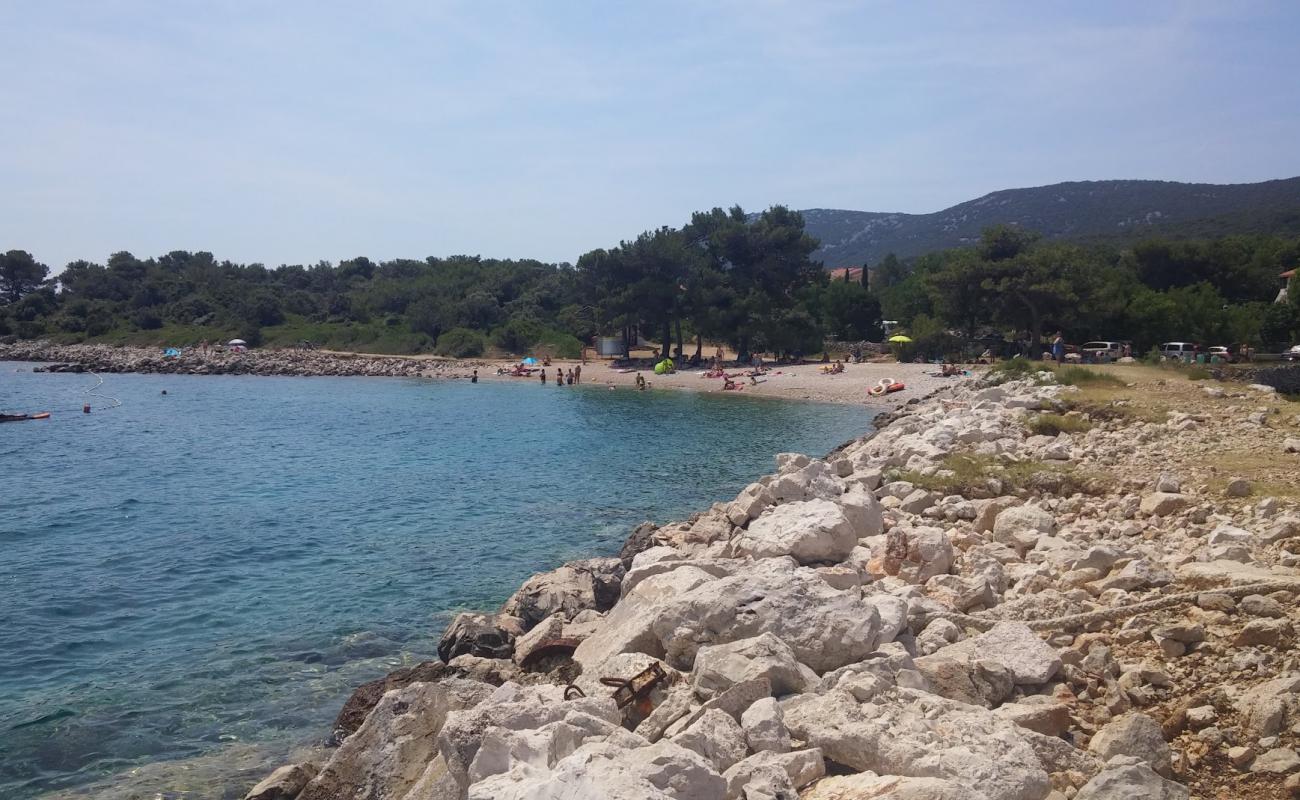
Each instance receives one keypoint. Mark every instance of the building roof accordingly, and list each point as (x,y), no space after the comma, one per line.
(1288,274)
(854,273)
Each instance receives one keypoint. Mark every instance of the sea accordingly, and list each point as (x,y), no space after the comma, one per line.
(196,574)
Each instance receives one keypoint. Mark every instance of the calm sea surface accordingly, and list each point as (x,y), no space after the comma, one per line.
(218,567)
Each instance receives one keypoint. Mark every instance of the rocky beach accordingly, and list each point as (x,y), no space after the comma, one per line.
(1021,591)
(151,361)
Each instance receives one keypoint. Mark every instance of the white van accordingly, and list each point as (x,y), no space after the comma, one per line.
(1179,351)
(1101,352)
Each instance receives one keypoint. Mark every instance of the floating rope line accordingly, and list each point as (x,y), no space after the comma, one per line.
(92,393)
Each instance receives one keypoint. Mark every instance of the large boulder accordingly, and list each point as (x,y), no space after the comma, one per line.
(1020,527)
(863,510)
(810,531)
(482,635)
(774,775)
(593,583)
(719,667)
(515,708)
(389,752)
(764,726)
(1134,735)
(1162,504)
(285,783)
(824,627)
(1015,647)
(629,626)
(367,695)
(1126,779)
(607,771)
(866,725)
(716,736)
(870,786)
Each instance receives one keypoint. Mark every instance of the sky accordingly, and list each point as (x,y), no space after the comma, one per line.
(294,131)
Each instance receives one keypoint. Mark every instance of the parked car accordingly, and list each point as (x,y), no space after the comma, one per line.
(1179,351)
(1101,351)
(1293,354)
(1221,354)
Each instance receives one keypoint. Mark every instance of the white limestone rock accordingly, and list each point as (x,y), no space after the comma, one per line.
(774,775)
(388,753)
(1128,779)
(717,737)
(911,733)
(1023,653)
(719,667)
(824,627)
(809,531)
(1020,527)
(764,726)
(1134,735)
(606,771)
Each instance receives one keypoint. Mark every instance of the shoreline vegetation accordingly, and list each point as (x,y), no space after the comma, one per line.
(1016,588)
(746,280)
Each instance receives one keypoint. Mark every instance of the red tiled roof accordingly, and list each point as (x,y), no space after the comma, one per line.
(1288,274)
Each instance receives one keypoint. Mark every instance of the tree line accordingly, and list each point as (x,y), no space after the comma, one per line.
(724,276)
(1012,284)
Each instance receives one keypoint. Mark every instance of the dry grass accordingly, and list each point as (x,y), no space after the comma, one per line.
(1056,424)
(969,475)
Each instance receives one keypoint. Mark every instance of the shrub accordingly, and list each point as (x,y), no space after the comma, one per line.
(1018,367)
(1076,376)
(519,335)
(560,344)
(1197,373)
(1056,424)
(461,343)
(147,320)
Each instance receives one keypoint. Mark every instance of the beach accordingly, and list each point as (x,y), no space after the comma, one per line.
(788,382)
(801,382)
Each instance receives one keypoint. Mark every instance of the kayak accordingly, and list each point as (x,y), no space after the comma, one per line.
(21,417)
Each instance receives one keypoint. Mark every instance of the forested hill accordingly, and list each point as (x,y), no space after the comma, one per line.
(1079,210)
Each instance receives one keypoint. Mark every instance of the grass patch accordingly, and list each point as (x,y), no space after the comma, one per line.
(1079,376)
(1014,368)
(1056,424)
(1197,373)
(974,476)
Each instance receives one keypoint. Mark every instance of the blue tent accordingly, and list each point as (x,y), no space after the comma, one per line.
(171,352)
(530,361)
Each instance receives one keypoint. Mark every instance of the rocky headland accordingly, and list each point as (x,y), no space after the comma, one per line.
(969,604)
(150,360)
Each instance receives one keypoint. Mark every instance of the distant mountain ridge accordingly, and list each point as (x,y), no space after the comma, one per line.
(1079,210)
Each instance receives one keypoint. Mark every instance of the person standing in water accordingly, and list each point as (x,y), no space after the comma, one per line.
(543,376)
(577,371)
(568,378)
(474,378)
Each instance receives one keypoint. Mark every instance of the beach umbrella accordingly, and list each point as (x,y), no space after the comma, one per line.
(236,341)
(900,338)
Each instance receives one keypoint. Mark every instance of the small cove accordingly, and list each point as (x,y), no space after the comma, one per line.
(221,565)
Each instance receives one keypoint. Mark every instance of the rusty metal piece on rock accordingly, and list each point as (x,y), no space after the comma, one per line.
(572,692)
(558,646)
(636,690)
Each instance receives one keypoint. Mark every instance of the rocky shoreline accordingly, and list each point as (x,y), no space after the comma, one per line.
(878,624)
(150,360)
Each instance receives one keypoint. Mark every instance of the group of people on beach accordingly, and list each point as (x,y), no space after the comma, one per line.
(562,378)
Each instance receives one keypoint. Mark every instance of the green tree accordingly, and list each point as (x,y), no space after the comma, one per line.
(20,274)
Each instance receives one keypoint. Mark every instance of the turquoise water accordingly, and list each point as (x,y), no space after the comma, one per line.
(225,563)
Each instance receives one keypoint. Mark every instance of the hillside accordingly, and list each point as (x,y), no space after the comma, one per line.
(1081,210)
